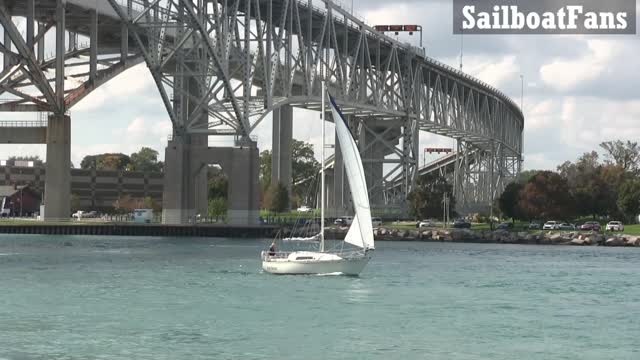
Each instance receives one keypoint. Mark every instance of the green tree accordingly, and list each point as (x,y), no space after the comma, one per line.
(145,160)
(265,170)
(217,207)
(508,202)
(629,198)
(304,171)
(276,198)
(426,200)
(547,196)
(35,158)
(108,161)
(588,185)
(218,183)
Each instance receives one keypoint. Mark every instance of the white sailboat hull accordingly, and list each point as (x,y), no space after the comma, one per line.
(319,263)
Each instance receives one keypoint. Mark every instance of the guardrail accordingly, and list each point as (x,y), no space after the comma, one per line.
(23,123)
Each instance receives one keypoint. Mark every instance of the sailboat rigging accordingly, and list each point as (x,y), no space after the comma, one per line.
(359,235)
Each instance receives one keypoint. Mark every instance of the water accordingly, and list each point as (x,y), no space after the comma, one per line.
(163,298)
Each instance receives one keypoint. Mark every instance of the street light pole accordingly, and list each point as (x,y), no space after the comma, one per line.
(521,92)
(461,46)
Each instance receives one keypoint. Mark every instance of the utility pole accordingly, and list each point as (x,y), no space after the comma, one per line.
(521,92)
(461,46)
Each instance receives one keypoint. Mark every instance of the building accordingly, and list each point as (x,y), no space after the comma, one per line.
(94,189)
(19,200)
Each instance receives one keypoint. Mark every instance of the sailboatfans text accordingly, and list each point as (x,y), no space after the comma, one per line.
(544,17)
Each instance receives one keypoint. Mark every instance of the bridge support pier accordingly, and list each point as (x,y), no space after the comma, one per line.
(57,193)
(281,148)
(185,181)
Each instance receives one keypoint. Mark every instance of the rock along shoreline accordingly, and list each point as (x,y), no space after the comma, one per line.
(498,237)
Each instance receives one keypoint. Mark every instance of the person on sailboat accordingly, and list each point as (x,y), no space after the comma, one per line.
(272,249)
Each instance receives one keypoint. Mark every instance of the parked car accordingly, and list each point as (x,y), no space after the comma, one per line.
(535,226)
(376,222)
(590,226)
(615,226)
(304,209)
(551,225)
(425,223)
(505,226)
(345,220)
(461,224)
(566,226)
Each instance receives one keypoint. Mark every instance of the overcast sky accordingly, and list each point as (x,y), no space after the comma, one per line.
(579,90)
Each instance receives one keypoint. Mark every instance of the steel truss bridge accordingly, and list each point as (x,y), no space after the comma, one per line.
(221,66)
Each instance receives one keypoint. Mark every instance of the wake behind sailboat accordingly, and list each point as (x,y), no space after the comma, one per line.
(359,235)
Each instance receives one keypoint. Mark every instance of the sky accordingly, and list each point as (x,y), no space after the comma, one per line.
(579,90)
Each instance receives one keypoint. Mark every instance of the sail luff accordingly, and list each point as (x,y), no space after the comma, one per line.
(361,232)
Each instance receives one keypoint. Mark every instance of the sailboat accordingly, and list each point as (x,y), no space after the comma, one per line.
(360,235)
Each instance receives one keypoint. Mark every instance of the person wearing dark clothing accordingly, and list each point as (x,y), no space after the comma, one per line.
(272,249)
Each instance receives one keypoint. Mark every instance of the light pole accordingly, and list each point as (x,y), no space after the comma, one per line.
(521,92)
(461,46)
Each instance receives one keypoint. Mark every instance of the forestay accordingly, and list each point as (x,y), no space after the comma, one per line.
(361,232)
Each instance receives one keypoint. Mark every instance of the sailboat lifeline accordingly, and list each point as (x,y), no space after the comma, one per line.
(360,234)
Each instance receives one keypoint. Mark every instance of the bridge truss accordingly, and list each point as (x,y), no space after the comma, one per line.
(221,66)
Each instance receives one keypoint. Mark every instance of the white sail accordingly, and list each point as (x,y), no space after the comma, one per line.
(361,232)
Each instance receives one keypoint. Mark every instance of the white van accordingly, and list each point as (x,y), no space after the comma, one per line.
(142,215)
(376,222)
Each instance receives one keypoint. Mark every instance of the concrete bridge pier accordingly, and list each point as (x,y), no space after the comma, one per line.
(243,169)
(282,136)
(185,181)
(57,193)
(178,198)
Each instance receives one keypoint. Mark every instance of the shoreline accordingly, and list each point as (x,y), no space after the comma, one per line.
(573,238)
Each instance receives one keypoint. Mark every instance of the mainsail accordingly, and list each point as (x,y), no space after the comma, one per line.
(361,232)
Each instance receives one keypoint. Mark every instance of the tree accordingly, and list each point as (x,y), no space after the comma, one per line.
(35,158)
(426,200)
(276,198)
(218,183)
(109,161)
(547,196)
(508,202)
(265,170)
(629,198)
(626,155)
(304,171)
(526,175)
(217,207)
(145,160)
(588,186)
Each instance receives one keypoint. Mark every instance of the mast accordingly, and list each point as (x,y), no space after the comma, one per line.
(322,174)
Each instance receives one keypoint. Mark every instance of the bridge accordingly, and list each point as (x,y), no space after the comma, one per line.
(222,66)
